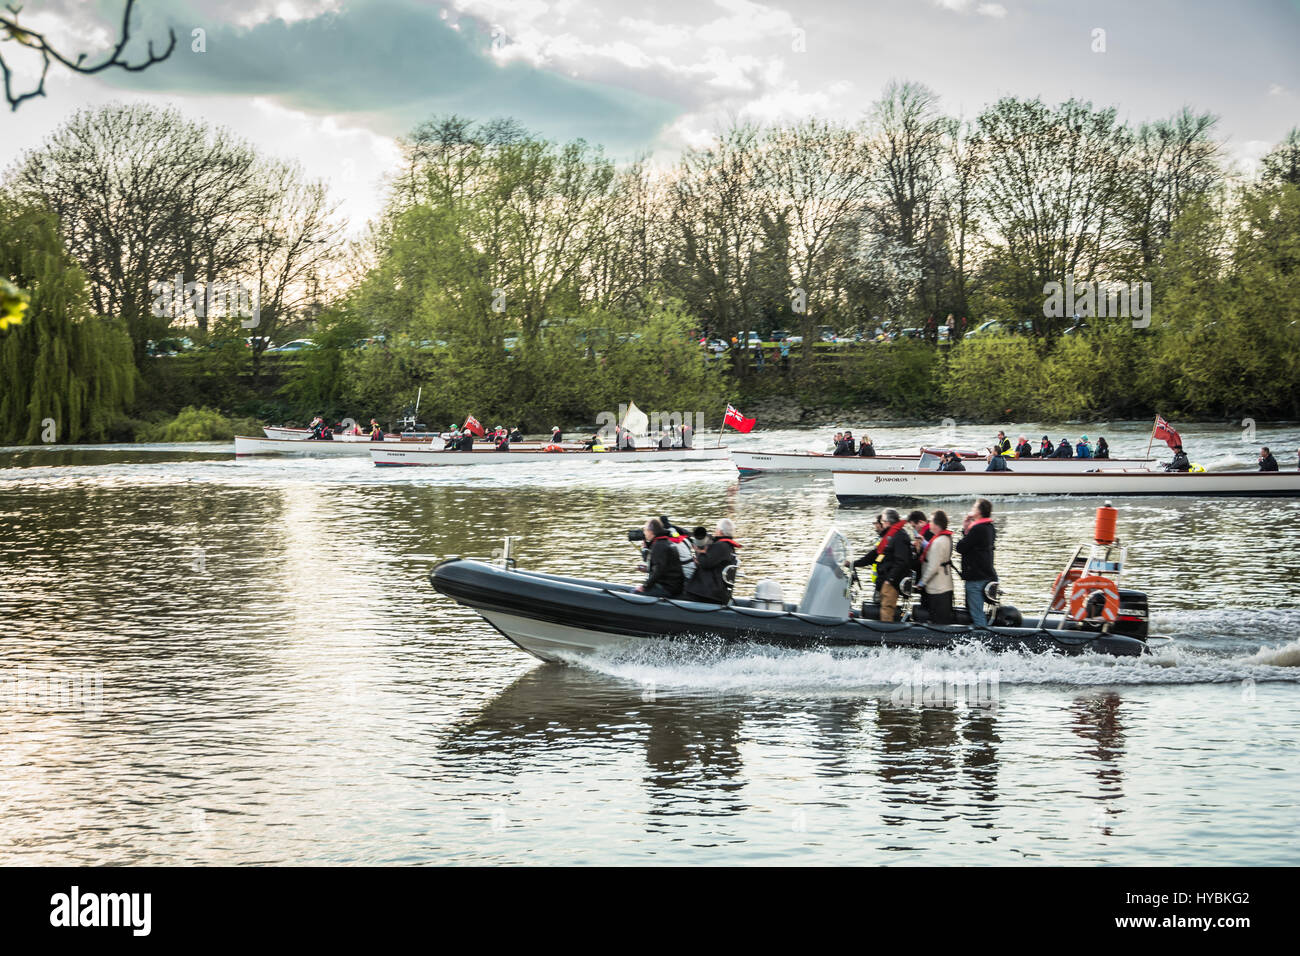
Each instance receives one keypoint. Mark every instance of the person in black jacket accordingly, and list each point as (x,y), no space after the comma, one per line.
(1024,449)
(976,550)
(1045,448)
(709,583)
(1103,450)
(516,435)
(895,563)
(1266,460)
(866,449)
(1180,461)
(664,577)
(1063,450)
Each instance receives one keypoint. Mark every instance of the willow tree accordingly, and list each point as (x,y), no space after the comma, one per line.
(65,375)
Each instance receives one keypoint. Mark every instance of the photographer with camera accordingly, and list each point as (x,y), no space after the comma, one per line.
(713,556)
(664,576)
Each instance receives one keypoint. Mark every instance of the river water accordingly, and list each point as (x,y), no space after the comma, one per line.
(205,660)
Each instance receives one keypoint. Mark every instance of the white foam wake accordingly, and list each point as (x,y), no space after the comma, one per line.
(753,669)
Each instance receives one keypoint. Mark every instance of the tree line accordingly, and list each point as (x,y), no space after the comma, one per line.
(524,278)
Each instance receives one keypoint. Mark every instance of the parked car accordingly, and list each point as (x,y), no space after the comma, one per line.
(297,345)
(781,335)
(171,346)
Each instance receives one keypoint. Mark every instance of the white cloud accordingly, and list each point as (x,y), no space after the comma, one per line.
(995,10)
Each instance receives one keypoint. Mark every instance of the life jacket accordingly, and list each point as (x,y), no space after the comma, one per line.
(937,535)
(889,537)
(979,521)
(730,541)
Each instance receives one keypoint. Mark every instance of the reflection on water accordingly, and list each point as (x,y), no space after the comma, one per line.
(209,661)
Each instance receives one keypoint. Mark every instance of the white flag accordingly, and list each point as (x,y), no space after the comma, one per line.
(635,421)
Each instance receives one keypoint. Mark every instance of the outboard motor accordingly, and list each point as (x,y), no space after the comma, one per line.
(827,592)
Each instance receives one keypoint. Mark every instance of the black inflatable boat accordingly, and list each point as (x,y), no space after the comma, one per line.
(555,617)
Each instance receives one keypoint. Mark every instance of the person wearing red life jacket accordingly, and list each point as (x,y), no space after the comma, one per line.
(709,584)
(894,554)
(936,571)
(976,550)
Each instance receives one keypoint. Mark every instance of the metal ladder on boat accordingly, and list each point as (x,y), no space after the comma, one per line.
(1102,560)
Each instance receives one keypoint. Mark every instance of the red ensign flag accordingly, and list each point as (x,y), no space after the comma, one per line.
(472,424)
(738,421)
(1167,434)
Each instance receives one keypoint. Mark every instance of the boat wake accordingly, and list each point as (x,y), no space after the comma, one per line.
(753,669)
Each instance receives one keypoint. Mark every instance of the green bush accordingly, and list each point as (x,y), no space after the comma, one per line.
(198,424)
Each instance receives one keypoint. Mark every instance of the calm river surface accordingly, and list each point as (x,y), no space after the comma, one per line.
(211,661)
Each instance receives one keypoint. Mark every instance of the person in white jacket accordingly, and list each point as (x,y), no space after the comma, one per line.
(936,571)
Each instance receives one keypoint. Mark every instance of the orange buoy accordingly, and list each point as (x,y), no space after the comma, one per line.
(553,448)
(1061,587)
(1104,531)
(1083,590)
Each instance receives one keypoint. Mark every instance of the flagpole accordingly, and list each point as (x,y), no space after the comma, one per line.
(1151,440)
(722,428)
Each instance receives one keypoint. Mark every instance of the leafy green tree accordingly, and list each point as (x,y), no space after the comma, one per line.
(64,374)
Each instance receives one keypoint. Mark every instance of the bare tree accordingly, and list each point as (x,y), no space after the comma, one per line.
(1172,161)
(721,226)
(297,235)
(1051,189)
(10,30)
(144,196)
(817,178)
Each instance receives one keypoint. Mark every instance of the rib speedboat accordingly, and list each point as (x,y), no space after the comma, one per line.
(556,618)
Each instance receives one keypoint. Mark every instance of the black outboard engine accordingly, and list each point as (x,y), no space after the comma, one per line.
(1133,614)
(1133,619)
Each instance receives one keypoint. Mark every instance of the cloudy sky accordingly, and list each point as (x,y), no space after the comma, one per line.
(333,83)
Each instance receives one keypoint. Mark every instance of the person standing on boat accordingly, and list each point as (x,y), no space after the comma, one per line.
(664,567)
(1103,450)
(1024,449)
(866,449)
(711,562)
(895,552)
(1083,449)
(1266,460)
(976,550)
(936,571)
